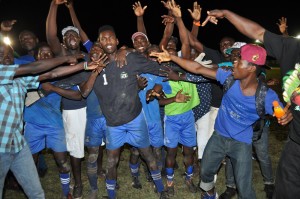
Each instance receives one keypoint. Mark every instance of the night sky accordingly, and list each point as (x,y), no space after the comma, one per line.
(31,14)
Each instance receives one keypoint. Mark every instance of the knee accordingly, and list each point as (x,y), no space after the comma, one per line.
(92,158)
(134,152)
(112,162)
(64,166)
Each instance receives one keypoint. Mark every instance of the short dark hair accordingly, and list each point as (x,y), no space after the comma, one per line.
(105,28)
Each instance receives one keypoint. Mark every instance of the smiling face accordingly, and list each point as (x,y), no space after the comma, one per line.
(108,41)
(44,52)
(140,44)
(28,40)
(71,40)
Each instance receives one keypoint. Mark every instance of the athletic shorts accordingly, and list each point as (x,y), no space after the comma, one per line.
(156,134)
(180,129)
(39,137)
(134,133)
(74,123)
(95,132)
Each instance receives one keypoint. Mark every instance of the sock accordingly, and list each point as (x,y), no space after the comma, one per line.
(111,188)
(189,172)
(156,176)
(65,183)
(134,169)
(170,174)
(92,174)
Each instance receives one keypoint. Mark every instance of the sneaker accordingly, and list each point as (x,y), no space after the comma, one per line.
(93,194)
(77,192)
(170,189)
(269,189)
(136,183)
(148,177)
(189,183)
(163,195)
(228,194)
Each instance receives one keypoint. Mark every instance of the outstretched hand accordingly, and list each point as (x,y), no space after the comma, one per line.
(196,13)
(138,9)
(182,98)
(98,64)
(161,56)
(176,11)
(169,74)
(213,16)
(282,25)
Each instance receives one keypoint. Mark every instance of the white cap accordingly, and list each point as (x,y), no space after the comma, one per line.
(66,29)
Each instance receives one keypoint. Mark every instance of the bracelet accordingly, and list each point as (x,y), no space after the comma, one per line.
(196,23)
(85,65)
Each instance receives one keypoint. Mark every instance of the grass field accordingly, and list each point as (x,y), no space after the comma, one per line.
(51,183)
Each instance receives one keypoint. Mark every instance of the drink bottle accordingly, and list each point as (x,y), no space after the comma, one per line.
(278,110)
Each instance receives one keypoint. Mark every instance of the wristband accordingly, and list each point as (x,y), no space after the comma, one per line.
(85,65)
(196,23)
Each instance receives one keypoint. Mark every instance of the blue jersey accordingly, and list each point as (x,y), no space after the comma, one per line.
(237,112)
(151,108)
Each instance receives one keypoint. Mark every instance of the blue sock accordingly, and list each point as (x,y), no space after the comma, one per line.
(156,176)
(92,174)
(170,174)
(134,169)
(111,188)
(65,183)
(189,172)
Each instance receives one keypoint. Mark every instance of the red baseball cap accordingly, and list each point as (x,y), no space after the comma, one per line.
(254,54)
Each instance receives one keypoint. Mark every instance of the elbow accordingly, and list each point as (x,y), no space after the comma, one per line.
(86,93)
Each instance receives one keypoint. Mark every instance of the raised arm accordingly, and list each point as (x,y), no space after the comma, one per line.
(185,45)
(139,13)
(51,29)
(186,64)
(247,27)
(83,36)
(196,15)
(168,21)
